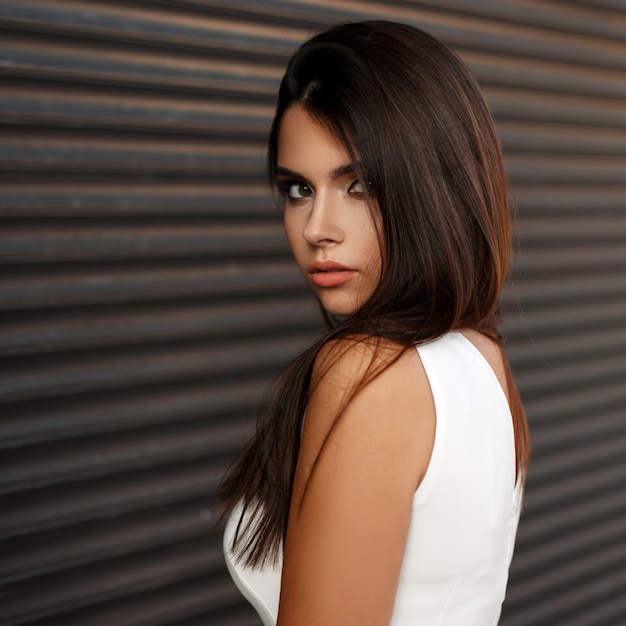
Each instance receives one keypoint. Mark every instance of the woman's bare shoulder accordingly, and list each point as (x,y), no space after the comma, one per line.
(361,459)
(372,386)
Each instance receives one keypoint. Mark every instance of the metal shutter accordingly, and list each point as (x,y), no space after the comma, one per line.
(147,293)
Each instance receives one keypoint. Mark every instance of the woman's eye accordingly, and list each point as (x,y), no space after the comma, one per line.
(297,191)
(357,187)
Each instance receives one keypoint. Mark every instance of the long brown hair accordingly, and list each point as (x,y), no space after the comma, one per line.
(418,130)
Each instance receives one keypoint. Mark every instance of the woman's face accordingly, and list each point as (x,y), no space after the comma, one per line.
(328,223)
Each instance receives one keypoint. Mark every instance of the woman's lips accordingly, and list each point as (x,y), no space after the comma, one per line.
(329,273)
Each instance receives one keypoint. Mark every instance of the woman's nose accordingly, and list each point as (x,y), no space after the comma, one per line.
(322,226)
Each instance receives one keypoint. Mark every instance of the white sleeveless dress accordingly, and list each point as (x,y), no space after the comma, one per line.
(465,511)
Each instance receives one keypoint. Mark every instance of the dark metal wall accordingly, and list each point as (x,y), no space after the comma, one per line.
(147,293)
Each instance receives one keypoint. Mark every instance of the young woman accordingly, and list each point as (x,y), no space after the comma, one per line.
(384,482)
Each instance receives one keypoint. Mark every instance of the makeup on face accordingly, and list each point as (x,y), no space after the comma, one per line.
(327,217)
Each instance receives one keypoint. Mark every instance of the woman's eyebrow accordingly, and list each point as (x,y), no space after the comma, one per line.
(284,171)
(342,170)
(338,172)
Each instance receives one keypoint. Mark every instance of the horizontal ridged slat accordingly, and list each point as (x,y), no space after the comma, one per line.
(29,287)
(126,409)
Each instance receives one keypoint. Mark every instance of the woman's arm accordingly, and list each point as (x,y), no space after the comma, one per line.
(350,512)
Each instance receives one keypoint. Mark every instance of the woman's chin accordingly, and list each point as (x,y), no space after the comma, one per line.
(337,307)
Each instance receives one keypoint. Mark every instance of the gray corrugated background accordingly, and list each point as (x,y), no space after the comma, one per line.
(148,295)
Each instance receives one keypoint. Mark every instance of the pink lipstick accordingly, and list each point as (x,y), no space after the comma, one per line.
(329,273)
